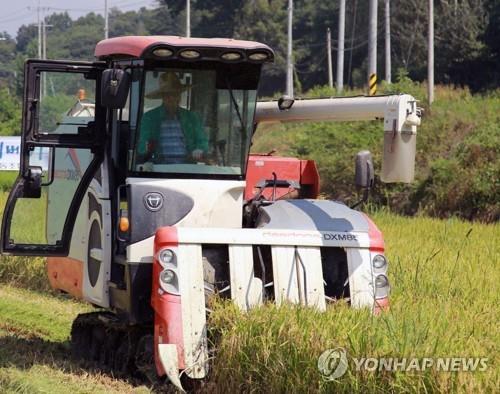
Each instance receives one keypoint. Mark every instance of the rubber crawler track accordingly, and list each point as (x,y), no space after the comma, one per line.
(101,342)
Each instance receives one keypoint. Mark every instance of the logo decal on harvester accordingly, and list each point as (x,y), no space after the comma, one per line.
(153,201)
(339,237)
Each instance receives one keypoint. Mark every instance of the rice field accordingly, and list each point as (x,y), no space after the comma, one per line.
(445,277)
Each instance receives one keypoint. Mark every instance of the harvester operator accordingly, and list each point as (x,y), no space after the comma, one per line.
(170,134)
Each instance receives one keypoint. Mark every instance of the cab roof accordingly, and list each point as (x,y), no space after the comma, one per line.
(143,47)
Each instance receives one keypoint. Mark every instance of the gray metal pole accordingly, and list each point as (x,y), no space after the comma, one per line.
(430,55)
(188,18)
(106,21)
(329,57)
(44,56)
(340,52)
(39,32)
(289,60)
(388,75)
(372,48)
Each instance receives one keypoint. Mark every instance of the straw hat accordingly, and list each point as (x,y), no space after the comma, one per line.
(168,82)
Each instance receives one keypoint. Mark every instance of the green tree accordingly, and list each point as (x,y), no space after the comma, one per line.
(10,113)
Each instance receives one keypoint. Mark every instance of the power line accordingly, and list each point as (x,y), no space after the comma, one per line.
(16,18)
(15,12)
(120,4)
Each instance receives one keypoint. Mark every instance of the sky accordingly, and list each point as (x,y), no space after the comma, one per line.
(15,13)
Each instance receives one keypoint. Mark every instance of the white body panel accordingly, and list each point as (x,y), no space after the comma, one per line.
(246,290)
(361,284)
(401,118)
(296,280)
(351,239)
(401,108)
(99,293)
(216,204)
(191,287)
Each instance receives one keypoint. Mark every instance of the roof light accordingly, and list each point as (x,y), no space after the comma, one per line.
(162,52)
(190,54)
(258,56)
(231,56)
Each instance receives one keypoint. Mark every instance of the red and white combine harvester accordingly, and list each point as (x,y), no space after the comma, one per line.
(151,202)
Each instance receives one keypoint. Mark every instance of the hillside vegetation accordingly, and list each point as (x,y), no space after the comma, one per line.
(457,160)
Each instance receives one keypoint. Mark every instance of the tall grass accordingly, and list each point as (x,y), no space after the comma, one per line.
(28,272)
(444,303)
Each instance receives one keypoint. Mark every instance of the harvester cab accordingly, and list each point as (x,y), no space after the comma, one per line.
(152,202)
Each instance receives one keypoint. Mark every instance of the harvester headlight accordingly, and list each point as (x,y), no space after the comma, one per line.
(379,261)
(381,281)
(231,56)
(166,256)
(167,276)
(169,281)
(258,56)
(190,54)
(163,52)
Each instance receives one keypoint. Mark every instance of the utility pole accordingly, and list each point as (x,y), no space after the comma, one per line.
(39,31)
(430,55)
(188,18)
(340,52)
(372,49)
(329,57)
(387,41)
(289,63)
(44,56)
(106,21)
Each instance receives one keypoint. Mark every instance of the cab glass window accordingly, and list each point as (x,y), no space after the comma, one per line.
(66,102)
(192,123)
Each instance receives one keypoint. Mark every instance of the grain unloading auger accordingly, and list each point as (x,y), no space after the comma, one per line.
(152,202)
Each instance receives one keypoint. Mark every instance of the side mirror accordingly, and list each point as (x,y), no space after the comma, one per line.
(364,176)
(115,84)
(32,186)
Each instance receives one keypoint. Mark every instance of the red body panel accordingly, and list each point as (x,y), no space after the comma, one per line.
(381,305)
(66,274)
(261,167)
(375,235)
(167,307)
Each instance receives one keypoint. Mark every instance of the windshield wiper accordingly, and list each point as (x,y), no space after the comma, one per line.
(236,106)
(243,130)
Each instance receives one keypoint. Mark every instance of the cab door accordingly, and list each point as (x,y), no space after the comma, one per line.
(62,145)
